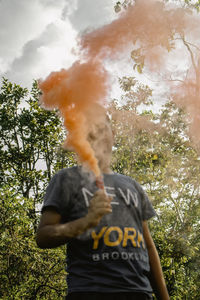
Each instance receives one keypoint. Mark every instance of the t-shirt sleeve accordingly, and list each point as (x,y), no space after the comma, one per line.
(147,208)
(53,196)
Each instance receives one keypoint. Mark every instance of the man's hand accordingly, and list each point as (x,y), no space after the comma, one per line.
(100,205)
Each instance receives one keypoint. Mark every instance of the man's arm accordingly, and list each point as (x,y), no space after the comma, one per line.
(158,281)
(51,233)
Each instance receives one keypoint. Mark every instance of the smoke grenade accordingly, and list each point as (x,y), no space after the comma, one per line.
(100,183)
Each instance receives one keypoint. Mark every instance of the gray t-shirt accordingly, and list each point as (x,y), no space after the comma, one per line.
(111,257)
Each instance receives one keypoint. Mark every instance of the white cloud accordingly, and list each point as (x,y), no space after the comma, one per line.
(91,14)
(48,52)
(69,8)
(36,37)
(22,21)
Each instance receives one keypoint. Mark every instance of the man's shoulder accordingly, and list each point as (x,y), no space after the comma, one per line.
(130,180)
(125,177)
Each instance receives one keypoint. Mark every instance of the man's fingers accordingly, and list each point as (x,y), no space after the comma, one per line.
(104,211)
(99,205)
(110,198)
(99,192)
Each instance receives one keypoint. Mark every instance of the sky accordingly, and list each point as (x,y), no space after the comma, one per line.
(37,36)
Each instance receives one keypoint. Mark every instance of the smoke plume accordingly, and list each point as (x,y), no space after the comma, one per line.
(72,91)
(147,23)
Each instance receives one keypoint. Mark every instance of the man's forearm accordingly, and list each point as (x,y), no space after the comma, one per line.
(51,236)
(52,233)
(157,278)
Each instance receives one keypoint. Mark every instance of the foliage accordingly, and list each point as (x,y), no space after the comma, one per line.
(30,153)
(120,5)
(123,5)
(187,3)
(26,271)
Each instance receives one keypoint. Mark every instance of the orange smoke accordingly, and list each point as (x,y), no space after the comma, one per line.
(152,26)
(149,24)
(147,21)
(187,94)
(72,91)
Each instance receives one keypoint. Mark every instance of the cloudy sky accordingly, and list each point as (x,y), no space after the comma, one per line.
(36,37)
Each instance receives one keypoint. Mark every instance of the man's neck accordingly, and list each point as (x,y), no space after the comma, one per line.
(105,169)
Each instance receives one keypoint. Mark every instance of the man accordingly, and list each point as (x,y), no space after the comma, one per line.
(110,252)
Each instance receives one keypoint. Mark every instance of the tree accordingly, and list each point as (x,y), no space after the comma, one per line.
(30,153)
